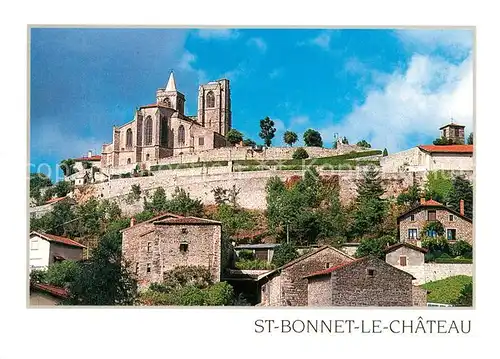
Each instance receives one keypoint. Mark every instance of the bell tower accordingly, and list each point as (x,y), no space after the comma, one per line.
(170,97)
(214,106)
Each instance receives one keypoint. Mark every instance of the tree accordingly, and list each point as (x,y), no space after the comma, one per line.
(234,136)
(67,166)
(363,144)
(62,188)
(37,182)
(290,138)
(385,153)
(103,280)
(442,141)
(300,154)
(267,130)
(374,247)
(470,139)
(438,186)
(411,197)
(248,142)
(284,253)
(465,297)
(60,274)
(461,189)
(313,138)
(345,141)
(182,204)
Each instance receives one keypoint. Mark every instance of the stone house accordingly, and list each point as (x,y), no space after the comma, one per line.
(457,226)
(161,129)
(46,294)
(363,282)
(46,249)
(287,285)
(168,241)
(405,254)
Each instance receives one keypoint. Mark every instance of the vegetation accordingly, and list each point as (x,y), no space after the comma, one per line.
(448,290)
(465,297)
(67,166)
(60,274)
(284,254)
(233,219)
(345,141)
(290,138)
(313,138)
(438,186)
(461,189)
(385,153)
(37,182)
(443,141)
(234,136)
(470,139)
(363,143)
(374,247)
(249,142)
(411,197)
(253,264)
(300,154)
(180,203)
(433,229)
(267,131)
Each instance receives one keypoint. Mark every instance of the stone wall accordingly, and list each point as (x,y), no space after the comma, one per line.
(430,272)
(319,292)
(419,296)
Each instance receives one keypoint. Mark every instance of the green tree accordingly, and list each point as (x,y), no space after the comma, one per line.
(334,220)
(234,219)
(219,294)
(182,204)
(374,247)
(385,153)
(313,138)
(62,188)
(345,141)
(461,189)
(465,298)
(267,130)
(300,154)
(438,186)
(442,141)
(158,202)
(103,280)
(234,136)
(248,142)
(470,139)
(60,274)
(37,182)
(60,221)
(411,197)
(284,253)
(67,166)
(290,137)
(364,144)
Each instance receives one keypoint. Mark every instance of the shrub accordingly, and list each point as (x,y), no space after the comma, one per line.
(434,244)
(300,154)
(374,247)
(253,264)
(433,227)
(157,287)
(465,297)
(245,254)
(447,259)
(219,294)
(460,248)
(284,253)
(447,290)
(61,273)
(126,175)
(182,276)
(37,276)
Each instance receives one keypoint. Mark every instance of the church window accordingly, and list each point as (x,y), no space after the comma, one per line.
(166,101)
(181,135)
(210,99)
(129,138)
(201,141)
(148,131)
(129,161)
(147,157)
(164,132)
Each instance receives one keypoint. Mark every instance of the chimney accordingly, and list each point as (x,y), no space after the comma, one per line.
(132,221)
(422,200)
(89,154)
(462,207)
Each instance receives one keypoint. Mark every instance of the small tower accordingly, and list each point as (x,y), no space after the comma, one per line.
(453,132)
(170,97)
(214,106)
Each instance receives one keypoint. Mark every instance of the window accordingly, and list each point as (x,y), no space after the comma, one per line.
(327,265)
(370,272)
(432,233)
(148,268)
(149,247)
(431,215)
(184,230)
(201,141)
(164,132)
(129,161)
(166,101)
(451,234)
(181,135)
(210,99)
(148,131)
(183,247)
(402,261)
(457,132)
(412,218)
(128,139)
(451,218)
(412,233)
(147,157)
(34,244)
(137,268)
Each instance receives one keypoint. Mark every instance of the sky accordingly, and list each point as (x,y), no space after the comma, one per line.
(393,88)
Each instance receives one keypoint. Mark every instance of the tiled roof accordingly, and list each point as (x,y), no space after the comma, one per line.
(93,158)
(451,125)
(404,244)
(431,202)
(58,239)
(56,291)
(447,148)
(54,200)
(329,270)
(187,220)
(156,218)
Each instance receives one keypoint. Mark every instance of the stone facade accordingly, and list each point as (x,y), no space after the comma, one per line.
(359,283)
(162,129)
(405,254)
(153,247)
(411,223)
(429,272)
(286,286)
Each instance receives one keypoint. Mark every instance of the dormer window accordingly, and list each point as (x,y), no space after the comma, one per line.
(431,215)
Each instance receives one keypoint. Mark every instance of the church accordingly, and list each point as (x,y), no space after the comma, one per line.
(162,129)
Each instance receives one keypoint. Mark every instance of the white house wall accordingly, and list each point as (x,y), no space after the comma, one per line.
(39,258)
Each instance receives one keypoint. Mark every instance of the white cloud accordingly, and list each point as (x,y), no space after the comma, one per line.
(258,43)
(276,73)
(411,105)
(186,63)
(299,120)
(220,34)
(455,41)
(322,40)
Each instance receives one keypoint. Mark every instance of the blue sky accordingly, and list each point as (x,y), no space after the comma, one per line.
(394,88)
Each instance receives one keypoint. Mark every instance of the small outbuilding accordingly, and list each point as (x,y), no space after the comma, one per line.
(405,254)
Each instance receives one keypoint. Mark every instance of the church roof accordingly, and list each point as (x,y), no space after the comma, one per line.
(447,148)
(171,83)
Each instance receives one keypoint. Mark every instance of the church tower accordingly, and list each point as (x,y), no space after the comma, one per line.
(170,97)
(214,106)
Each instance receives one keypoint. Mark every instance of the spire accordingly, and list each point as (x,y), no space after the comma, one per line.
(171,83)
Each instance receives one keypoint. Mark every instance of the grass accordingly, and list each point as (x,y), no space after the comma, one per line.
(447,290)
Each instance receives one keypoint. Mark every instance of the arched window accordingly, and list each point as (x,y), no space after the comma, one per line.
(210,99)
(129,138)
(166,101)
(148,131)
(129,161)
(181,137)
(147,157)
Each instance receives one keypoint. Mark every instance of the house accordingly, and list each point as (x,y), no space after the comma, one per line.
(262,251)
(405,254)
(363,282)
(411,223)
(46,249)
(287,285)
(168,241)
(46,294)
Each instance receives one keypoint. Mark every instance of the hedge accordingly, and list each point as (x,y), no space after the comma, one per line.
(453,260)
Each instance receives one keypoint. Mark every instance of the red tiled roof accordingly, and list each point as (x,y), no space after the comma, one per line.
(187,220)
(58,239)
(447,148)
(431,202)
(53,200)
(56,291)
(156,218)
(93,158)
(329,270)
